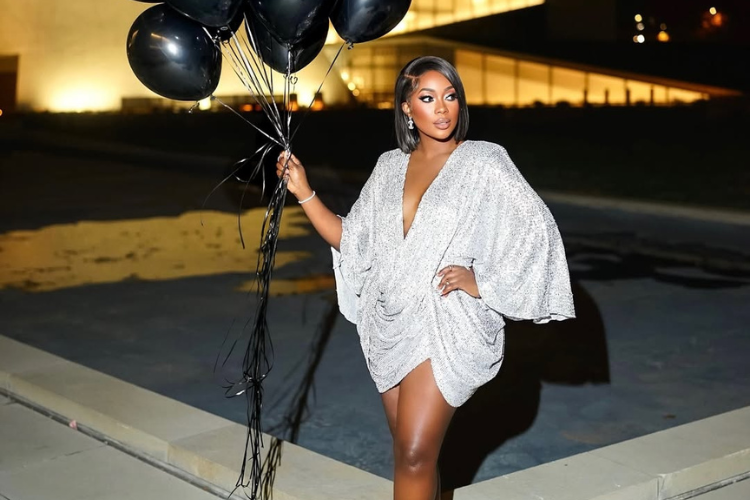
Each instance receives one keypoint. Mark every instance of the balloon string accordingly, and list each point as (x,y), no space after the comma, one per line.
(238,165)
(247,121)
(234,52)
(309,108)
(256,475)
(241,72)
(265,71)
(258,91)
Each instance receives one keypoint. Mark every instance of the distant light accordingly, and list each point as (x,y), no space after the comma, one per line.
(663,36)
(640,26)
(355,92)
(204,104)
(305,97)
(663,26)
(712,10)
(246,108)
(1,112)
(344,75)
(173,48)
(317,104)
(638,18)
(640,39)
(352,86)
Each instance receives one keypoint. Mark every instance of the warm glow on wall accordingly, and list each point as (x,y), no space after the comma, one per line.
(79,99)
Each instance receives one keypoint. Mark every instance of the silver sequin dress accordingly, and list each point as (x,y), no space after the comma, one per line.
(479,211)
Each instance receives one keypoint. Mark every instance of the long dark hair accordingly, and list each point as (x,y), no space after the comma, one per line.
(408,81)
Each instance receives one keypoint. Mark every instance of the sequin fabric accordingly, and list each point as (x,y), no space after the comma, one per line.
(478,212)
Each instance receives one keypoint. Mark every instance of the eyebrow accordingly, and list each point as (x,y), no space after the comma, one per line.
(432,90)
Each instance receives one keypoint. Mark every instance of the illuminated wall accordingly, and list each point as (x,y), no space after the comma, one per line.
(72,56)
(493,79)
(425,14)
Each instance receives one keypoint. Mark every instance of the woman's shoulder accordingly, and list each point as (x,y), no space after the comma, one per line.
(485,150)
(391,156)
(492,156)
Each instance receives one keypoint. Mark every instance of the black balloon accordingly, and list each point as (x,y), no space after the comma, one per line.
(172,55)
(290,21)
(212,13)
(277,55)
(358,21)
(225,32)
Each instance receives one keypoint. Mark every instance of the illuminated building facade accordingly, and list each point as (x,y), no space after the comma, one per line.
(71,57)
(503,78)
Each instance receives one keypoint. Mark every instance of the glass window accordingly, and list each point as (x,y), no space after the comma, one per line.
(677,96)
(640,92)
(469,66)
(567,85)
(605,89)
(533,83)
(500,80)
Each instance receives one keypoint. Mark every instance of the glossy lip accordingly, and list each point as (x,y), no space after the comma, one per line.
(443,124)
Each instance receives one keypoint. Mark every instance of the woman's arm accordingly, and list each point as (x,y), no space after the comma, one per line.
(323,220)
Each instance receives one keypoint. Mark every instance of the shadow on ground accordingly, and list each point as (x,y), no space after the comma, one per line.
(568,352)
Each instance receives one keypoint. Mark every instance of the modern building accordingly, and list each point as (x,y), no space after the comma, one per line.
(70,56)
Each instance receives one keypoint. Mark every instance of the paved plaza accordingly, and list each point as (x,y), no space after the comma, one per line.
(113,265)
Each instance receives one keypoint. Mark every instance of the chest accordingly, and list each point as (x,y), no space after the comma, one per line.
(422,201)
(420,175)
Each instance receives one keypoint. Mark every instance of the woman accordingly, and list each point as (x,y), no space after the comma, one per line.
(445,241)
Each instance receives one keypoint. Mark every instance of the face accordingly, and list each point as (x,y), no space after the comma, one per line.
(433,106)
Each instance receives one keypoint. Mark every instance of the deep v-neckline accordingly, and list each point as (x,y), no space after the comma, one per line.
(432,183)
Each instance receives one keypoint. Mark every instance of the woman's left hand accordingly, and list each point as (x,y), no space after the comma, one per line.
(458,278)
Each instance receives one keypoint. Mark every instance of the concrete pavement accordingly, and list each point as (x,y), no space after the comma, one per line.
(43,458)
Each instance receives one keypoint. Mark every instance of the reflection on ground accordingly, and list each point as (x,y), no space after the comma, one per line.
(159,248)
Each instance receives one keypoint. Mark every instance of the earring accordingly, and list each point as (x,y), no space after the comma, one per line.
(410,123)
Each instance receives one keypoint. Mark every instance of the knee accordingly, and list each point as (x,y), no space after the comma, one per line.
(414,457)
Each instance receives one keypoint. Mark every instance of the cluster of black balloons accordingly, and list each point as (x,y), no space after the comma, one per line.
(173,47)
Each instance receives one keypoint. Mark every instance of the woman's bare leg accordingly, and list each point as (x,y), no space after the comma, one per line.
(390,405)
(422,418)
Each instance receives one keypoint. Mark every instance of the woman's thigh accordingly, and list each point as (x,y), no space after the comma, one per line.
(390,405)
(422,415)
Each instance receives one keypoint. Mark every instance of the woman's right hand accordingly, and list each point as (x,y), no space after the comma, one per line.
(295,175)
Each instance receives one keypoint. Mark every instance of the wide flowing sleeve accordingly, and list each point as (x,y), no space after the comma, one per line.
(519,260)
(354,258)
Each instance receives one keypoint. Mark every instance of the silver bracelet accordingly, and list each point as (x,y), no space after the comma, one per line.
(307,199)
